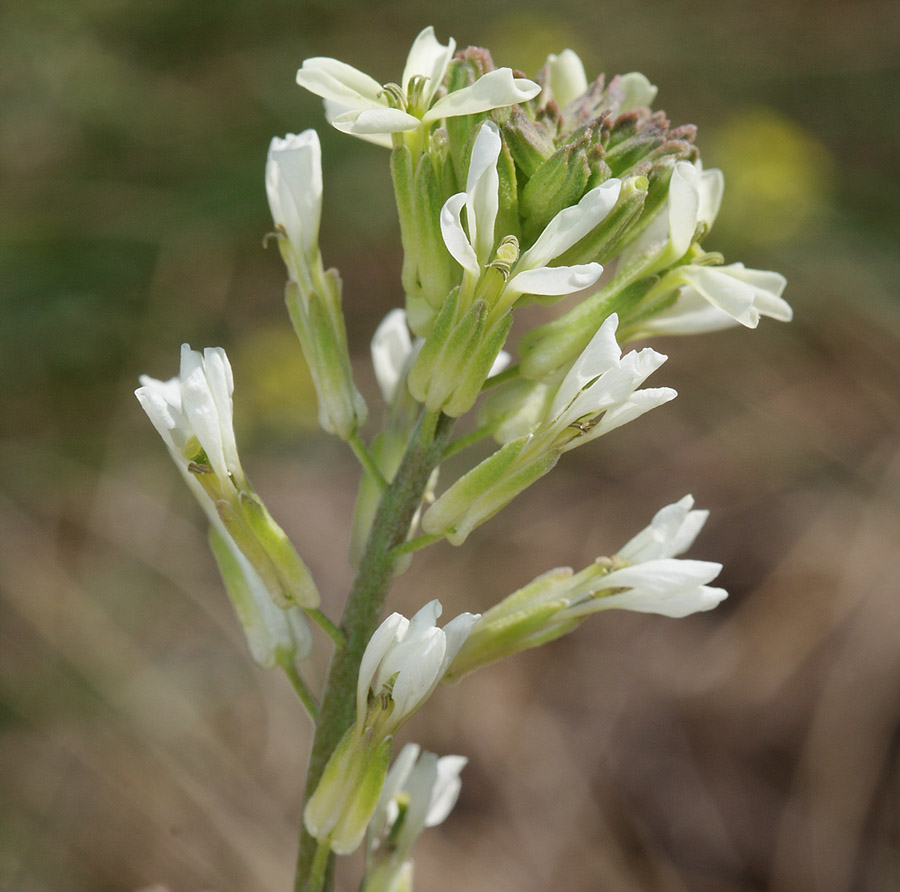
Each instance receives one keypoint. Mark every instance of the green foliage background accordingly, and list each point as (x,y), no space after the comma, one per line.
(753,748)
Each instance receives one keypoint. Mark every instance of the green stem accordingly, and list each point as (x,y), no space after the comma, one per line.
(319,870)
(464,442)
(330,629)
(364,603)
(501,377)
(412,545)
(365,459)
(299,686)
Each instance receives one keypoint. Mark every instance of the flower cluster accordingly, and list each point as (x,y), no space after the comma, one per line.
(510,192)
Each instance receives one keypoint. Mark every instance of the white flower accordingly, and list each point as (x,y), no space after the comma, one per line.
(427,787)
(646,576)
(656,581)
(716,297)
(405,660)
(358,104)
(473,245)
(693,202)
(193,413)
(600,392)
(294,189)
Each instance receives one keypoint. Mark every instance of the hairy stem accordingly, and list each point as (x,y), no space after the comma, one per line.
(364,603)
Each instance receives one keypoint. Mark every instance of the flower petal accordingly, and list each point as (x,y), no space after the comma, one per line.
(332,79)
(684,208)
(482,185)
(571,225)
(496,89)
(723,290)
(428,58)
(391,346)
(671,532)
(294,187)
(455,237)
(375,121)
(555,280)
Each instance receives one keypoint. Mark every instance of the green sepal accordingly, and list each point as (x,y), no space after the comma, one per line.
(339,810)
(272,634)
(474,371)
(458,350)
(492,640)
(529,143)
(479,494)
(553,345)
(435,270)
(423,368)
(402,176)
(558,183)
(293,573)
(319,325)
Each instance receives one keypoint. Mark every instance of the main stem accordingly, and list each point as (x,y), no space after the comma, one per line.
(364,602)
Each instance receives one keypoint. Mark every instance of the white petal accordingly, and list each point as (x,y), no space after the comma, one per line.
(671,532)
(601,353)
(332,79)
(711,187)
(500,363)
(455,237)
(664,576)
(640,402)
(391,346)
(334,110)
(220,381)
(162,412)
(456,632)
(694,600)
(417,662)
(429,58)
(571,224)
(482,185)
(294,187)
(385,636)
(684,208)
(446,789)
(555,280)
(723,290)
(690,314)
(374,121)
(567,80)
(496,89)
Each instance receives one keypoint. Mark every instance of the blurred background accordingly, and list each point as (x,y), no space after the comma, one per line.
(752,748)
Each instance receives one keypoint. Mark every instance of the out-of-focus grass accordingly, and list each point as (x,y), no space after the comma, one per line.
(751,748)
